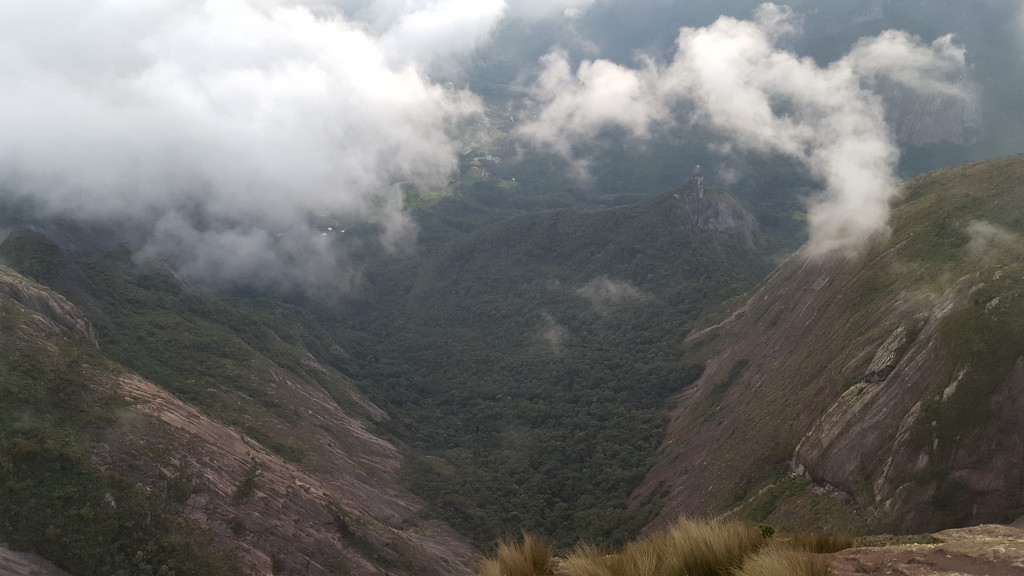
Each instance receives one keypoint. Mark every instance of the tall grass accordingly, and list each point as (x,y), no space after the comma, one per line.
(686,549)
(820,543)
(779,561)
(531,557)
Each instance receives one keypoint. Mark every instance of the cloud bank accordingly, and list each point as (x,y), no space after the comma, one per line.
(733,77)
(226,124)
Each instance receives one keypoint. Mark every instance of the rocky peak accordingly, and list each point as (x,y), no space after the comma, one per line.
(51,305)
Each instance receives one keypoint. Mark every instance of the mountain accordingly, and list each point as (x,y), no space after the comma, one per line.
(874,392)
(227,446)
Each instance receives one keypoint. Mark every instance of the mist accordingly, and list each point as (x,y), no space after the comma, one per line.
(605,293)
(226,125)
(989,242)
(227,132)
(735,78)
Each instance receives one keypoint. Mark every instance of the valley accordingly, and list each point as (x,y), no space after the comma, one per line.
(511,288)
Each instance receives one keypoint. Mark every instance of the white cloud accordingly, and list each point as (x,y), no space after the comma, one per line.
(552,334)
(575,106)
(991,242)
(537,9)
(603,293)
(248,115)
(442,29)
(737,81)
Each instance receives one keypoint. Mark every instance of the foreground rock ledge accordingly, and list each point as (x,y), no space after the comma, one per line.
(990,549)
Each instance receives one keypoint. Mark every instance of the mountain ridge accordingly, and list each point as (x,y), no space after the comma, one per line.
(855,385)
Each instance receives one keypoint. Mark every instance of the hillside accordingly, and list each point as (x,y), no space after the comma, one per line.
(877,392)
(228,448)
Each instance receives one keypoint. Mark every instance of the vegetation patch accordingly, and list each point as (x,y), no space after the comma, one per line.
(881,540)
(768,500)
(247,487)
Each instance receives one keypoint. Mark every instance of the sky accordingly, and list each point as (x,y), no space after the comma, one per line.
(230,129)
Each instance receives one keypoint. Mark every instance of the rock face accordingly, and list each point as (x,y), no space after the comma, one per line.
(890,384)
(338,511)
(54,307)
(717,212)
(24,564)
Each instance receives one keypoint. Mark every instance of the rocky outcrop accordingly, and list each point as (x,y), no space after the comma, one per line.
(51,305)
(713,210)
(987,550)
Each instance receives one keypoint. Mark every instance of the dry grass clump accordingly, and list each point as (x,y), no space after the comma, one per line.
(778,561)
(820,543)
(713,548)
(686,549)
(531,557)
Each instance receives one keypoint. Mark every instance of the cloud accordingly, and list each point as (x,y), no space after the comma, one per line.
(431,33)
(575,106)
(552,334)
(603,293)
(538,9)
(732,77)
(1020,25)
(221,123)
(990,242)
(442,29)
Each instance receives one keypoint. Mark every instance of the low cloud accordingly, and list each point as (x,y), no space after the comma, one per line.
(733,77)
(438,31)
(224,124)
(990,242)
(552,334)
(431,32)
(603,293)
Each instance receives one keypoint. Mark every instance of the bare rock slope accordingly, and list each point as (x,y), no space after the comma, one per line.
(875,392)
(338,510)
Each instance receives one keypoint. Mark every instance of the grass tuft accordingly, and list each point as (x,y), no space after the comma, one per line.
(686,549)
(531,557)
(820,543)
(713,548)
(778,561)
